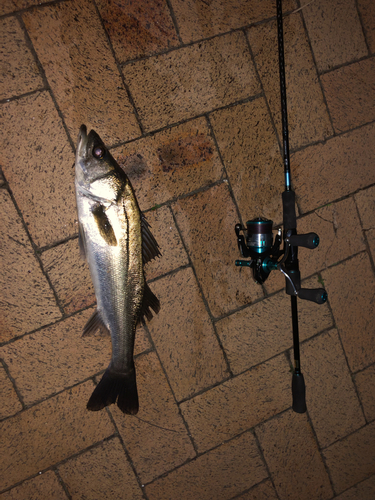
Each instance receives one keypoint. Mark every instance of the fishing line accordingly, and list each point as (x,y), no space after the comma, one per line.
(258,244)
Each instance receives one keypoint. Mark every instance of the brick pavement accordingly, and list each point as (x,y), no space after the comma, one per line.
(186,94)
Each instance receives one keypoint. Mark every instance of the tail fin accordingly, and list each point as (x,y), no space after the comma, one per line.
(115,386)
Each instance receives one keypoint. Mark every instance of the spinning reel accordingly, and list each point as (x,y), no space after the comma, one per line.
(266,256)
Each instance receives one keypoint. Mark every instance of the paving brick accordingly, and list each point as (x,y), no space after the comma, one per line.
(251,155)
(173,253)
(238,404)
(350,94)
(325,172)
(366,10)
(27,302)
(102,472)
(138,29)
(19,72)
(365,201)
(263,491)
(157,439)
(308,120)
(72,46)
(328,27)
(365,382)
(293,459)
(352,459)
(48,433)
(351,288)
(32,359)
(261,331)
(208,233)
(9,402)
(45,486)
(171,163)
(184,337)
(69,275)
(37,162)
(340,234)
(214,73)
(8,6)
(198,20)
(333,404)
(227,470)
(362,491)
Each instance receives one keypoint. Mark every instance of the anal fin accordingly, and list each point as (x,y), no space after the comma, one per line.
(94,324)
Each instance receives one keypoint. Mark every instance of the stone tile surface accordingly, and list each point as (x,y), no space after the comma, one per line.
(101,472)
(9,6)
(238,404)
(156,439)
(263,491)
(173,253)
(171,163)
(19,72)
(352,303)
(292,455)
(229,469)
(138,29)
(37,162)
(261,331)
(341,165)
(69,275)
(42,487)
(72,46)
(48,433)
(332,401)
(352,459)
(350,94)
(365,383)
(32,359)
(223,73)
(9,402)
(364,490)
(328,26)
(366,10)
(21,291)
(251,155)
(308,120)
(366,206)
(202,217)
(198,20)
(184,336)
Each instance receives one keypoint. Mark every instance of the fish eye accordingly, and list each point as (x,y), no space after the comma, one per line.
(98,152)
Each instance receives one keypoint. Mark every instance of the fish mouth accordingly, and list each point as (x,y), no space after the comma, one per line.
(82,142)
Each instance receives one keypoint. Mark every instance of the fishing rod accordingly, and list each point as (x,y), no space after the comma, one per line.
(265,254)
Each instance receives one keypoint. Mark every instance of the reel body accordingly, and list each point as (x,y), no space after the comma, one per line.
(258,244)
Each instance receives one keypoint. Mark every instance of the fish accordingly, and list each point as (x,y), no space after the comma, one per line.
(116,241)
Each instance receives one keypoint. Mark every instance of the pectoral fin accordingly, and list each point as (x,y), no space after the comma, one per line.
(104,225)
(150,248)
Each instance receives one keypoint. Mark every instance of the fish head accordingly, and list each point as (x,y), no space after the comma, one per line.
(93,160)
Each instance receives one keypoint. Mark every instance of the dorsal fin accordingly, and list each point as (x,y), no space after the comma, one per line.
(150,301)
(150,248)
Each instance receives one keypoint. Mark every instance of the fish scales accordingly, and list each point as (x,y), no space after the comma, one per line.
(116,241)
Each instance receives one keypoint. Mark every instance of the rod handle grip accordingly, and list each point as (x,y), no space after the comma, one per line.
(299,393)
(309,240)
(317,295)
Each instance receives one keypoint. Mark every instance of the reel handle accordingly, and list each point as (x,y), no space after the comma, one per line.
(317,295)
(298,393)
(309,240)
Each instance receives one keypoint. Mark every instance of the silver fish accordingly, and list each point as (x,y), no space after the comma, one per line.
(116,240)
